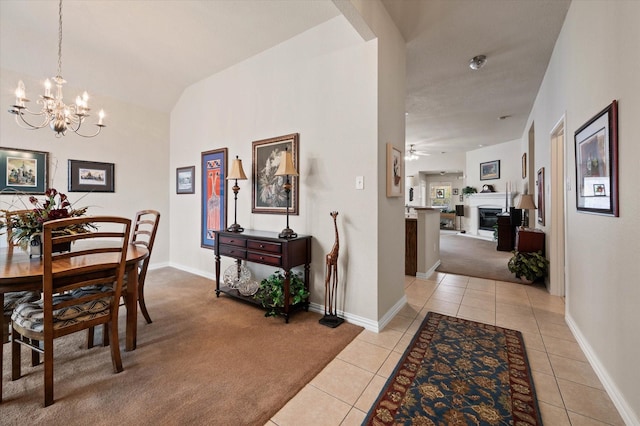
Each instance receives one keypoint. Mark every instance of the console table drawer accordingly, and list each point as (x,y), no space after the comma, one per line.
(233,251)
(239,242)
(264,246)
(264,258)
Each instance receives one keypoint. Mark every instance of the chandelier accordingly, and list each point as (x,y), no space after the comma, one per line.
(54,112)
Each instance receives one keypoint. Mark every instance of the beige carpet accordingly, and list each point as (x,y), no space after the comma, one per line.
(203,360)
(474,257)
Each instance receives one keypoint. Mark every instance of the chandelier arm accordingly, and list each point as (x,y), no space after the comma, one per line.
(100,126)
(19,112)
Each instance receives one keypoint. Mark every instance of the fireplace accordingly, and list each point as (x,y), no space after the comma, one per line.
(487,218)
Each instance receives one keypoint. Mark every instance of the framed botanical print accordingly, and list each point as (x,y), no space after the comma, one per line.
(597,163)
(23,171)
(268,194)
(214,196)
(540,184)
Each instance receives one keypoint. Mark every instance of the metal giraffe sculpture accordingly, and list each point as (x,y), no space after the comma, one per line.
(330,318)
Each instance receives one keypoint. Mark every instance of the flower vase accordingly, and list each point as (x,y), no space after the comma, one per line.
(35,246)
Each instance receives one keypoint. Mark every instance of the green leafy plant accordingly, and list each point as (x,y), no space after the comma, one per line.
(271,292)
(531,266)
(468,190)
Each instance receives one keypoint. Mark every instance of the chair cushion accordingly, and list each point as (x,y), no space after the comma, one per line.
(30,315)
(14,298)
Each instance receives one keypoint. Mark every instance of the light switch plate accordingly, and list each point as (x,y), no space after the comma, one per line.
(359,182)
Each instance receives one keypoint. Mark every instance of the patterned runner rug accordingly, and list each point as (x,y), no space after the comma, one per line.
(459,372)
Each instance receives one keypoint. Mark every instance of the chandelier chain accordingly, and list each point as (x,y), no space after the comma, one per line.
(60,39)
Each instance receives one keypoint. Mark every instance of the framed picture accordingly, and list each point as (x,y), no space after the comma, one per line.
(597,163)
(184,180)
(214,196)
(23,171)
(490,170)
(268,194)
(394,172)
(461,198)
(91,176)
(540,184)
(439,193)
(524,165)
(455,191)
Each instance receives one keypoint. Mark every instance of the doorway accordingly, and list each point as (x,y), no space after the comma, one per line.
(557,242)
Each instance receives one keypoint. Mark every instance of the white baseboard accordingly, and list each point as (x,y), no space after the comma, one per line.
(623,407)
(426,275)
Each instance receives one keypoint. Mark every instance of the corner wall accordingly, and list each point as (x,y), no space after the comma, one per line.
(318,84)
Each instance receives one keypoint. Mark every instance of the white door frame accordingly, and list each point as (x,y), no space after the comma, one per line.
(558,197)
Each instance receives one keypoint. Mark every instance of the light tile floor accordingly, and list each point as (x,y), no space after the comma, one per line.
(569,392)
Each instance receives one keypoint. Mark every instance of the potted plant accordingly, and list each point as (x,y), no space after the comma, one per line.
(468,190)
(528,266)
(270,294)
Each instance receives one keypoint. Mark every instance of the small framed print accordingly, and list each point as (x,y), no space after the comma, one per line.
(596,144)
(461,198)
(91,176)
(490,170)
(394,172)
(184,180)
(541,196)
(524,165)
(23,171)
(455,191)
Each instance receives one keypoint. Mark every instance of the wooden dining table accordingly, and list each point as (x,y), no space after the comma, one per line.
(19,272)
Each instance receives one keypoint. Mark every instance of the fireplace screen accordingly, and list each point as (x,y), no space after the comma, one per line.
(487,218)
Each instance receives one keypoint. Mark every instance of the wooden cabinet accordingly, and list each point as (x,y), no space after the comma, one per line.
(411,247)
(506,233)
(530,240)
(267,249)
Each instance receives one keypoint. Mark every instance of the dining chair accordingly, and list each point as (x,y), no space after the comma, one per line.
(81,288)
(13,298)
(143,234)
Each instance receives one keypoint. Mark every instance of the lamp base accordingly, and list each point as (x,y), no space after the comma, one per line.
(287,233)
(235,228)
(331,321)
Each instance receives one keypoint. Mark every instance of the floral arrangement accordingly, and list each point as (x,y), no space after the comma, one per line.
(27,225)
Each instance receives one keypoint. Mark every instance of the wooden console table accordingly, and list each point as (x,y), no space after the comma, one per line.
(265,248)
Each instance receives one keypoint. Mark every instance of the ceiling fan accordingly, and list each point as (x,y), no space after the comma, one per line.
(412,153)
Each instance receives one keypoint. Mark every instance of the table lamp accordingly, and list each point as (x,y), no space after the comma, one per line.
(237,173)
(287,169)
(525,203)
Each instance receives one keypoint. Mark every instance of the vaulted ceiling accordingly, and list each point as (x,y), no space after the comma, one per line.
(148,52)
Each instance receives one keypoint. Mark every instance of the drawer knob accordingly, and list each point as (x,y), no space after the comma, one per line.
(261,258)
(261,245)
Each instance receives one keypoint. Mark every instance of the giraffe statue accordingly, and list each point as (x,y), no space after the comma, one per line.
(331,281)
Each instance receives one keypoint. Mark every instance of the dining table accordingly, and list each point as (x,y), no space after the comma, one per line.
(20,272)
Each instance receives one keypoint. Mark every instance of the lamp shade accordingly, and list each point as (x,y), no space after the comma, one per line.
(459,209)
(413,181)
(236,170)
(286,165)
(526,202)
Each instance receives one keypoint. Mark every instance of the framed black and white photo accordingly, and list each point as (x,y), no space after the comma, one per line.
(91,176)
(597,163)
(23,171)
(184,180)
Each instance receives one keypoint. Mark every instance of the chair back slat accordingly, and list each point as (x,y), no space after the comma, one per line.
(97,259)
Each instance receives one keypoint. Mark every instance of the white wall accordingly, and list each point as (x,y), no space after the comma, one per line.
(136,140)
(321,85)
(595,61)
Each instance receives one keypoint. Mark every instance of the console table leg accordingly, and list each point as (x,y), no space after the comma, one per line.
(217,273)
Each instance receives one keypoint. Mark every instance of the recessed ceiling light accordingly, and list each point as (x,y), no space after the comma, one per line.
(477,62)
(480,145)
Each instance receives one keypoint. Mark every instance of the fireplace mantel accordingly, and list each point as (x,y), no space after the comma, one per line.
(498,200)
